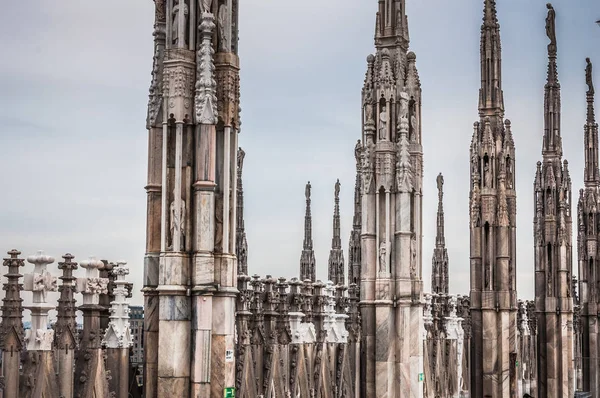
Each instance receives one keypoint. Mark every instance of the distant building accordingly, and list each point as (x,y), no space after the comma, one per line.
(136,323)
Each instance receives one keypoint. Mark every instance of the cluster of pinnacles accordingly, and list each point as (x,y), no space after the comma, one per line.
(61,360)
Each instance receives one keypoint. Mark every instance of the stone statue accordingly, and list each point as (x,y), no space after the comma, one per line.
(358,151)
(219,223)
(206,5)
(307,191)
(240,159)
(223,28)
(588,77)
(415,127)
(509,174)
(403,112)
(337,189)
(176,34)
(383,257)
(369,106)
(413,256)
(177,222)
(474,163)
(551,28)
(488,176)
(440,184)
(383,119)
(549,204)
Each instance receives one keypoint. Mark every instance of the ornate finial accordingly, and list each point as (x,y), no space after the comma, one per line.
(307,259)
(206,85)
(551,30)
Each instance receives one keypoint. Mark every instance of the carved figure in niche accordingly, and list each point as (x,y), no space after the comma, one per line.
(383,118)
(369,105)
(219,223)
(177,222)
(487,274)
(551,28)
(224,32)
(474,163)
(415,128)
(413,256)
(383,257)
(206,5)
(588,77)
(403,111)
(488,175)
(509,174)
(176,34)
(549,202)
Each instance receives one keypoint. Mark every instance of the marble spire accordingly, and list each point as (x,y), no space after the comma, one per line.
(439,279)
(493,229)
(354,249)
(588,243)
(11,327)
(241,242)
(336,255)
(552,244)
(491,98)
(307,259)
(591,173)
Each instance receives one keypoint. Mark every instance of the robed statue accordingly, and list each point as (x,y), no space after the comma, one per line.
(588,77)
(440,184)
(307,191)
(551,28)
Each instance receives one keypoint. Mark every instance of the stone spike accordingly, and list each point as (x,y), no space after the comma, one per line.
(336,255)
(491,98)
(307,259)
(591,172)
(439,279)
(241,243)
(552,145)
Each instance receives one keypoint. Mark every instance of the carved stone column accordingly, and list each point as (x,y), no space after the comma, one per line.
(38,367)
(90,373)
(11,328)
(65,340)
(118,338)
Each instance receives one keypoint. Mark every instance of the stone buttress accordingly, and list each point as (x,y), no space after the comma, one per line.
(492,209)
(391,170)
(190,272)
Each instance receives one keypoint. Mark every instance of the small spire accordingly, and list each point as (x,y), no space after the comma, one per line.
(591,172)
(439,279)
(491,98)
(354,245)
(241,244)
(336,255)
(307,259)
(552,144)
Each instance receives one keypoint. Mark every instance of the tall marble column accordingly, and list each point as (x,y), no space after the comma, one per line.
(118,338)
(38,365)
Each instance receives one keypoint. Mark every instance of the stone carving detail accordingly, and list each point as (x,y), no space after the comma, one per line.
(206,85)
(224,29)
(176,34)
(413,256)
(404,169)
(367,172)
(383,123)
(118,333)
(159,12)
(206,5)
(178,82)
(551,29)
(177,223)
(588,77)
(383,257)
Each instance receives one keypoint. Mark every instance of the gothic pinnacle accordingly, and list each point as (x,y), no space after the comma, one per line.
(439,280)
(336,255)
(491,99)
(307,259)
(591,172)
(552,144)
(591,117)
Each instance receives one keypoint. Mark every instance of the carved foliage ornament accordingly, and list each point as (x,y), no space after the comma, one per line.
(206,86)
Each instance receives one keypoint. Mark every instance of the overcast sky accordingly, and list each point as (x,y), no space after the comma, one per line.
(74,85)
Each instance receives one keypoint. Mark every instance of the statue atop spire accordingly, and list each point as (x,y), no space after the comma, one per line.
(336,255)
(591,173)
(307,259)
(588,77)
(551,29)
(241,242)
